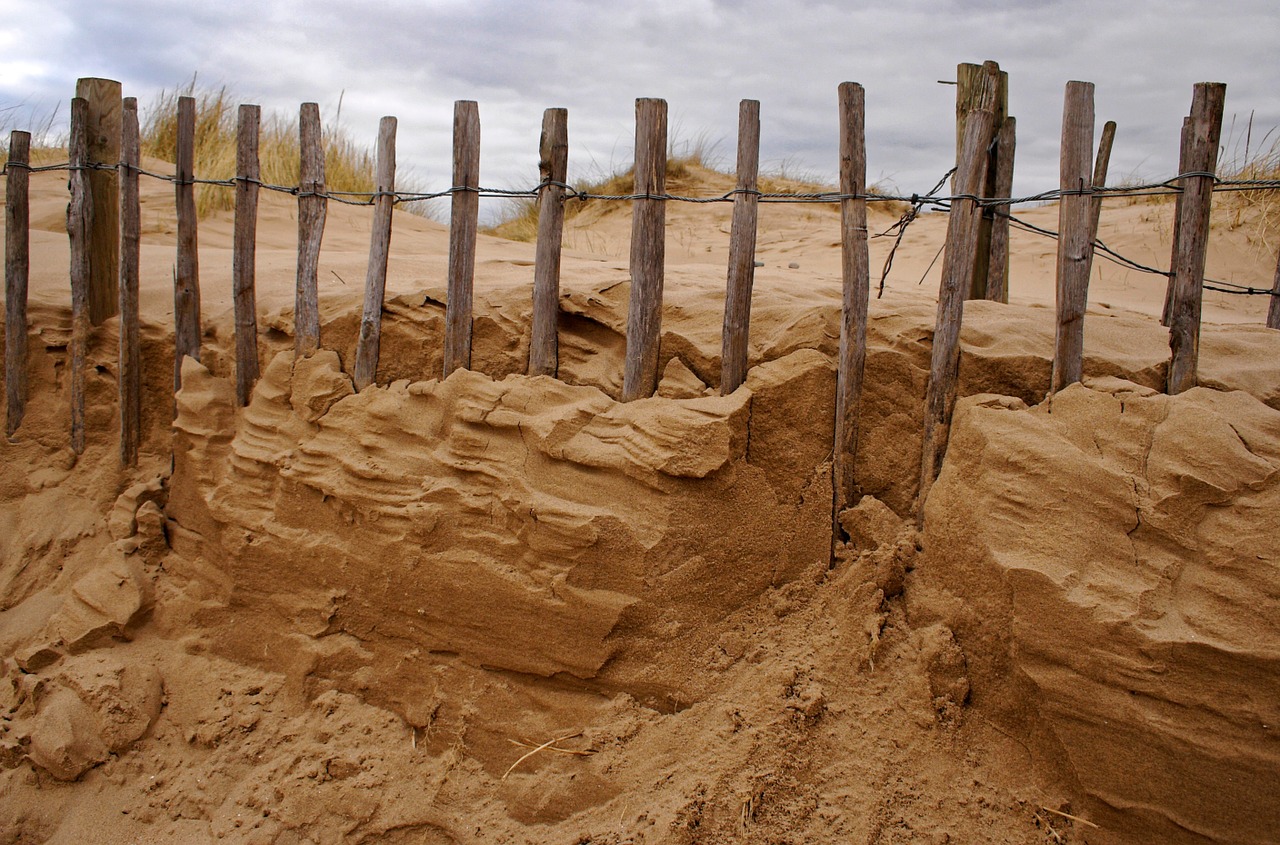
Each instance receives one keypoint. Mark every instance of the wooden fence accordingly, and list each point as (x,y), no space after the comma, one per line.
(104,248)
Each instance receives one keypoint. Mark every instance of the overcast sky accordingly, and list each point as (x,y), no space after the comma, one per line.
(413,59)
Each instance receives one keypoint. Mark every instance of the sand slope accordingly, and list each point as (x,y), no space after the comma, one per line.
(343,617)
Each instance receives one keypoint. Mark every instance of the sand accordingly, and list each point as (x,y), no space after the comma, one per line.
(495,608)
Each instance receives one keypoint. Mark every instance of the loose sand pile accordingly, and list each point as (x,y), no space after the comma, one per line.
(508,609)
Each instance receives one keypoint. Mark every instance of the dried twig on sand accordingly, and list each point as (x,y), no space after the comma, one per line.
(549,745)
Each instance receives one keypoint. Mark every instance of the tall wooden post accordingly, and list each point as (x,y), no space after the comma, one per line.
(1075,242)
(129,381)
(17,272)
(103,128)
(553,166)
(1193,236)
(648,252)
(982,86)
(375,283)
(957,271)
(312,210)
(1273,312)
(79,225)
(998,263)
(742,252)
(856,278)
(1100,166)
(244,251)
(462,235)
(186,281)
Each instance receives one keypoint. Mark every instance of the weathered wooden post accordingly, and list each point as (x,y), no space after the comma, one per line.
(742,252)
(957,272)
(244,251)
(312,210)
(186,280)
(129,381)
(1184,162)
(375,284)
(982,86)
(1273,312)
(1193,235)
(998,263)
(1075,242)
(648,251)
(103,135)
(856,278)
(79,225)
(463,221)
(17,272)
(1100,165)
(553,167)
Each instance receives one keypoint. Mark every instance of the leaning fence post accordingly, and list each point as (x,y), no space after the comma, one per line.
(1193,236)
(463,218)
(244,251)
(553,167)
(982,86)
(312,209)
(17,270)
(998,263)
(742,252)
(648,251)
(79,224)
(856,277)
(130,351)
(957,271)
(1184,162)
(1100,165)
(186,280)
(103,138)
(375,284)
(1075,243)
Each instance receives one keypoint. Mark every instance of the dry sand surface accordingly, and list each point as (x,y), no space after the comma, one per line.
(496,608)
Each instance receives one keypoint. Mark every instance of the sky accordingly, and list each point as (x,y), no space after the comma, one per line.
(414,59)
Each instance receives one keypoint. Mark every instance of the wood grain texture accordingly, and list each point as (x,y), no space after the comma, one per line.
(186,280)
(736,332)
(648,252)
(79,224)
(463,220)
(553,167)
(1184,161)
(129,380)
(1075,241)
(244,251)
(856,278)
(978,87)
(103,139)
(1273,311)
(957,271)
(1193,236)
(375,282)
(998,263)
(17,275)
(312,209)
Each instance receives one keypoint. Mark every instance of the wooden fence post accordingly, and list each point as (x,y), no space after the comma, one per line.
(17,271)
(1184,161)
(1075,244)
(375,283)
(982,86)
(648,251)
(553,167)
(186,280)
(856,278)
(103,135)
(79,225)
(130,349)
(957,272)
(1193,236)
(244,251)
(1273,312)
(736,332)
(1100,165)
(312,209)
(998,263)
(463,218)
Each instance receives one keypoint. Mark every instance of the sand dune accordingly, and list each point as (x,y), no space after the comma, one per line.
(341,617)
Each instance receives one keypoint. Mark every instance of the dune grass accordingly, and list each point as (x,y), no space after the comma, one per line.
(1258,208)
